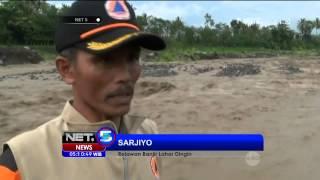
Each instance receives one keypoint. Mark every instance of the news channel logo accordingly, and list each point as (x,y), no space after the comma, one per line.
(106,136)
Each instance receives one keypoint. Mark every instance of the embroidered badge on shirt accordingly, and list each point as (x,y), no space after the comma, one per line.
(117,9)
(154,167)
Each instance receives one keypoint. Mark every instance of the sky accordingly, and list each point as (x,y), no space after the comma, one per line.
(261,12)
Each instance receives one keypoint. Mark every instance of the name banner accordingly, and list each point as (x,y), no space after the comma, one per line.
(106,141)
(186,142)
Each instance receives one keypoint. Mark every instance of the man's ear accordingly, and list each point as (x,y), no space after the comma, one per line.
(65,69)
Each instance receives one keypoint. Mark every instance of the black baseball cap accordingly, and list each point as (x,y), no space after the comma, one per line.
(99,26)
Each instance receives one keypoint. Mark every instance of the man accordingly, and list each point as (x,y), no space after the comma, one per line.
(101,62)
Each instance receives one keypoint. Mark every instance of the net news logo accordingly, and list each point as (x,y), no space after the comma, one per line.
(106,136)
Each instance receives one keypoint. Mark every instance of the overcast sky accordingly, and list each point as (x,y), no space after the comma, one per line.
(262,12)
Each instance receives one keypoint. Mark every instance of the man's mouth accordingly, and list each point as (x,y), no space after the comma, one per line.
(122,94)
(121,97)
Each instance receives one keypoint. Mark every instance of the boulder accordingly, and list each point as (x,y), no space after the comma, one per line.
(19,55)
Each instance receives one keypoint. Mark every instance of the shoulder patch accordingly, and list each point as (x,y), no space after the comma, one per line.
(154,167)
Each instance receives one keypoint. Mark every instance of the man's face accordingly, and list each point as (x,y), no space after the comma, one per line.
(106,83)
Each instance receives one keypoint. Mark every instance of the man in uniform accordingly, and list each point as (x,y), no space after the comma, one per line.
(101,63)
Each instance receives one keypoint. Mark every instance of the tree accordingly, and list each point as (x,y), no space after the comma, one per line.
(282,36)
(25,21)
(223,33)
(305,27)
(235,25)
(43,25)
(209,22)
(143,20)
(177,29)
(317,24)
(192,35)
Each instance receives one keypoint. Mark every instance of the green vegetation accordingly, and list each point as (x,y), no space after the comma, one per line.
(32,23)
(206,52)
(47,52)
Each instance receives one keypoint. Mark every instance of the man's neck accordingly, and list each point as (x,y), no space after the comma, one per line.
(89,113)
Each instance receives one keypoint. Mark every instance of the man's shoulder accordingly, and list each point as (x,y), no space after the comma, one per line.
(150,126)
(29,136)
(141,124)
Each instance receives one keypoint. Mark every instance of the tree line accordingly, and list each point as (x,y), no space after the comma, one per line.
(33,23)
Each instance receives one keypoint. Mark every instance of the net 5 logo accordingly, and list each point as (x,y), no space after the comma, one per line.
(106,136)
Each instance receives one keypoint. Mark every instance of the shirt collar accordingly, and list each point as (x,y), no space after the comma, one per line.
(75,121)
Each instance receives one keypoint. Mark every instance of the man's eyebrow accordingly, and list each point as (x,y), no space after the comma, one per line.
(96,57)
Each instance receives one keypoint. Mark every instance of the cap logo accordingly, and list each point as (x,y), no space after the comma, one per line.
(117,9)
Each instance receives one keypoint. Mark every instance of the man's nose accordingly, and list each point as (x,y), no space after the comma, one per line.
(123,71)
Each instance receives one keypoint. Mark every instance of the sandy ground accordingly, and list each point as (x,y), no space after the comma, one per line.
(284,107)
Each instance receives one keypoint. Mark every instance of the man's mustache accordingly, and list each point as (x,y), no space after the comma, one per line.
(125,90)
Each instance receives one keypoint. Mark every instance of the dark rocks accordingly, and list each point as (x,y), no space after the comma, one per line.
(158,70)
(36,75)
(290,68)
(203,55)
(195,69)
(33,77)
(239,70)
(147,88)
(162,70)
(18,55)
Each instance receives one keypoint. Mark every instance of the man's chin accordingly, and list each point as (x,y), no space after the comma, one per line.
(117,111)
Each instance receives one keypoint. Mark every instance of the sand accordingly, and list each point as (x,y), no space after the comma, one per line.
(283,106)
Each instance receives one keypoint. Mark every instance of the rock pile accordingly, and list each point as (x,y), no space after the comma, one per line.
(18,55)
(290,68)
(158,70)
(162,70)
(36,75)
(147,88)
(203,55)
(195,69)
(239,69)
